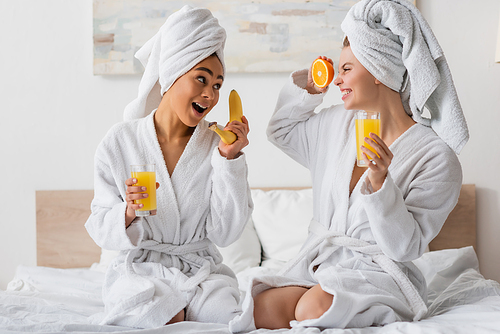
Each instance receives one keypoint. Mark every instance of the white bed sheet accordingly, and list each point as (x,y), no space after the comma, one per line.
(41,299)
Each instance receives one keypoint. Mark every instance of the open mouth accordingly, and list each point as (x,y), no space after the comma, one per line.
(199,108)
(345,93)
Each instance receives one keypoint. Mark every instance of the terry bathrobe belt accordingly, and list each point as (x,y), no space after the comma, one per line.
(186,252)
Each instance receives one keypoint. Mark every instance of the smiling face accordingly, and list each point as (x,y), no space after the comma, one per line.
(358,87)
(194,94)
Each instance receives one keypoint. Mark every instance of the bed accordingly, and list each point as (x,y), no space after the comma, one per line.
(63,291)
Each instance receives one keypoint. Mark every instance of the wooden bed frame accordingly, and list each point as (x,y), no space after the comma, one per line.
(63,242)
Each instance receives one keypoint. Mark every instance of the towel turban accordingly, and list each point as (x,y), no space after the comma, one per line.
(188,36)
(392,40)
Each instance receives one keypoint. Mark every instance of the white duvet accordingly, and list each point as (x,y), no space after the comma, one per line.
(41,299)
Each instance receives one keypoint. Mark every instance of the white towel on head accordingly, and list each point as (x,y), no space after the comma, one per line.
(187,37)
(392,40)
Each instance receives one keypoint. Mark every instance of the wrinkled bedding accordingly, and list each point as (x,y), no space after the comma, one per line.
(41,299)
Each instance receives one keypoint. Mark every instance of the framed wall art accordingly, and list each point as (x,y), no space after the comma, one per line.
(262,36)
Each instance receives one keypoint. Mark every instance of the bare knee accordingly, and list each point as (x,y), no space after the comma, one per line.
(177,318)
(313,304)
(275,308)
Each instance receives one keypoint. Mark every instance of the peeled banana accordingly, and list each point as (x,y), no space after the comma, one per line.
(235,114)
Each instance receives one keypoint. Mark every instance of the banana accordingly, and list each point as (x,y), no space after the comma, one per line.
(235,108)
(235,114)
(228,137)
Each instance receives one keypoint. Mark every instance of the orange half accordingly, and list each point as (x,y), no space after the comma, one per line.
(322,73)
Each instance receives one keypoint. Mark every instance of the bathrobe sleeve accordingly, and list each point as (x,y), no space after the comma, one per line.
(403,224)
(294,126)
(106,224)
(230,202)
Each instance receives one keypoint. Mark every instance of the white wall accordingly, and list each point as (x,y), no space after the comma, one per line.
(54,113)
(467,31)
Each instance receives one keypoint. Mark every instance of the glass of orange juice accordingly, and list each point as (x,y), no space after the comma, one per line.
(366,122)
(146,177)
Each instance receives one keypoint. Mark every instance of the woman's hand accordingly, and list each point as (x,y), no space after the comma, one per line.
(134,193)
(240,129)
(379,164)
(311,87)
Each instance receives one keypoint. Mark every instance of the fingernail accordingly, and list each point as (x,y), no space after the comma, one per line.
(143,188)
(144,195)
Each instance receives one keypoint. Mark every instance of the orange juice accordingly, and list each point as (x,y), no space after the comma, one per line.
(148,180)
(366,122)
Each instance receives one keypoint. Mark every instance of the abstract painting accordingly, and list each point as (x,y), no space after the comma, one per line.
(262,36)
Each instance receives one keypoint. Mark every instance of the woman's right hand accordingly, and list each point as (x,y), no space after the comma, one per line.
(311,87)
(133,193)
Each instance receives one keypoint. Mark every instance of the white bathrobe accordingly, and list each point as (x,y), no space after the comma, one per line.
(360,247)
(168,262)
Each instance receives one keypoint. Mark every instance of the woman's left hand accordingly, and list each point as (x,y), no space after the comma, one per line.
(379,165)
(240,129)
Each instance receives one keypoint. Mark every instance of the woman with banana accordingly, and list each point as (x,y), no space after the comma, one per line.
(355,268)
(169,268)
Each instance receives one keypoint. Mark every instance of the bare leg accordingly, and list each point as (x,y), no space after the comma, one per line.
(275,308)
(177,318)
(313,304)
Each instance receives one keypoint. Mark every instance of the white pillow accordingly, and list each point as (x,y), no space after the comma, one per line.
(281,219)
(441,268)
(243,253)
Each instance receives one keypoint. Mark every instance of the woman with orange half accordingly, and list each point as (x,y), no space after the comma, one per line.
(355,268)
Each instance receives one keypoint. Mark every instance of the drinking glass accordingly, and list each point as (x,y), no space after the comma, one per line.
(146,177)
(366,122)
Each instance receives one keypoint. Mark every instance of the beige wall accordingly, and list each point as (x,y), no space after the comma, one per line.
(54,112)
